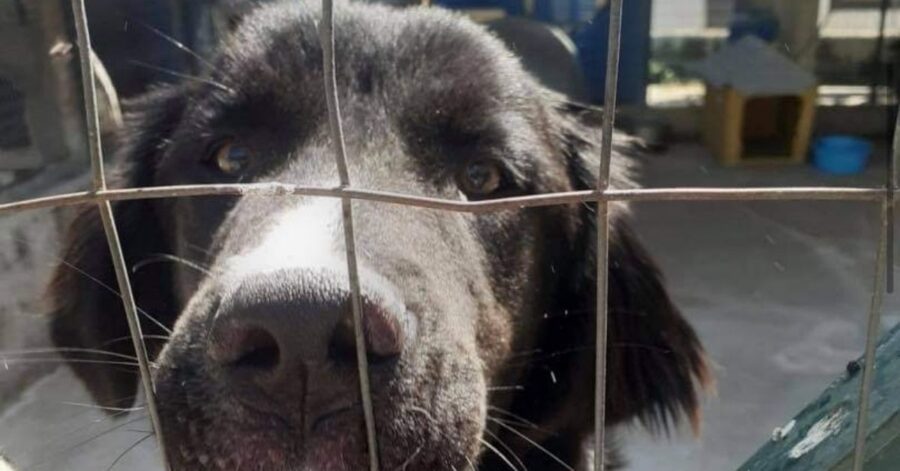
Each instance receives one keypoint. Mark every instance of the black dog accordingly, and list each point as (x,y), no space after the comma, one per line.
(480,328)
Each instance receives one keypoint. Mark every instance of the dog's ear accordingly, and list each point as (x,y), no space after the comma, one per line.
(86,311)
(656,364)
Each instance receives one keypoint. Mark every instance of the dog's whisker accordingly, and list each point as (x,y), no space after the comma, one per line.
(506,388)
(88,440)
(181,75)
(99,283)
(164,338)
(550,355)
(164,257)
(533,443)
(7,362)
(539,355)
(197,248)
(116,292)
(104,408)
(82,412)
(586,348)
(179,45)
(155,322)
(110,416)
(499,454)
(513,416)
(44,351)
(625,345)
(507,448)
(128,450)
(526,353)
(513,422)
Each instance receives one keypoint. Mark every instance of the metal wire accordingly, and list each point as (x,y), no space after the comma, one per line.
(103,197)
(326,38)
(95,148)
(501,204)
(602,318)
(891,184)
(883,260)
(874,324)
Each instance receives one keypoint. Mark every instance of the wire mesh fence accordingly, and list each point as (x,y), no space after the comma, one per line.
(602,196)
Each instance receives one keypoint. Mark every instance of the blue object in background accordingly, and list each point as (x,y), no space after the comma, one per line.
(752,22)
(564,12)
(841,155)
(591,40)
(589,29)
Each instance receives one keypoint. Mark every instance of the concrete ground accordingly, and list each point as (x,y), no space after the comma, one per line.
(777,290)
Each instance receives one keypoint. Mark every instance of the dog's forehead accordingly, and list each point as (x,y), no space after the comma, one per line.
(396,58)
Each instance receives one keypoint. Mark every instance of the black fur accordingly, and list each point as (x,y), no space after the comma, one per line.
(499,299)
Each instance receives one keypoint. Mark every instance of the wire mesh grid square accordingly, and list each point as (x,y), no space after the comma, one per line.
(602,196)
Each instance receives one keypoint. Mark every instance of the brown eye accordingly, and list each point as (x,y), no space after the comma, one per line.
(230,158)
(480,178)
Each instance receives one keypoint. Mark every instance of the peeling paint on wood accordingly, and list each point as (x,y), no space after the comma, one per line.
(821,436)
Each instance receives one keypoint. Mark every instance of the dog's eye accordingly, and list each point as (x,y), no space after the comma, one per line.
(230,158)
(480,178)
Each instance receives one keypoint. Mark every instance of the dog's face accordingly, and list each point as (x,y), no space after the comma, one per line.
(478,328)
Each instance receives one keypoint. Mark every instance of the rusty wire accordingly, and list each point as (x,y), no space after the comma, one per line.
(103,197)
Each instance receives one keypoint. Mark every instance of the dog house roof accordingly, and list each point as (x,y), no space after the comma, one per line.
(754,68)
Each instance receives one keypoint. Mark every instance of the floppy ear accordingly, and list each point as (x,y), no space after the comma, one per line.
(656,364)
(85,308)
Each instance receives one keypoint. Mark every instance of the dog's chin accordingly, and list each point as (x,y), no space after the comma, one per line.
(336,444)
(234,449)
(339,449)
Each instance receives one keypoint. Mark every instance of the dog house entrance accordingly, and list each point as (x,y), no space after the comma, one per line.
(770,126)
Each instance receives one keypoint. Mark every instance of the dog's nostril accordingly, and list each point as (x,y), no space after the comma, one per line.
(383,337)
(258,350)
(342,345)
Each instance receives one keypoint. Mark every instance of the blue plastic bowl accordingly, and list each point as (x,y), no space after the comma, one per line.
(841,155)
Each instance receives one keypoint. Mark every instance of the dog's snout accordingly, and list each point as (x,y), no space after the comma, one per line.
(280,327)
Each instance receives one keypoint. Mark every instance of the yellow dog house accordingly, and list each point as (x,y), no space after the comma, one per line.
(759,105)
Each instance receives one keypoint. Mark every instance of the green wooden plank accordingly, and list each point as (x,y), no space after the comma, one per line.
(820,437)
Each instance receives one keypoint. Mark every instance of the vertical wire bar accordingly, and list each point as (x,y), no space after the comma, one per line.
(609,116)
(872,331)
(609,94)
(340,149)
(109,225)
(891,189)
(883,268)
(89,89)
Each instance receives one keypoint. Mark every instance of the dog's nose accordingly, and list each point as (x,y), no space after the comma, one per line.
(280,328)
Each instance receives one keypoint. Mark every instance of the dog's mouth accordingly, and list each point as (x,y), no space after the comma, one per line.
(254,441)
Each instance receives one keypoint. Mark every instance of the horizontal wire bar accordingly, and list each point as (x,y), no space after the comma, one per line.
(548,199)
